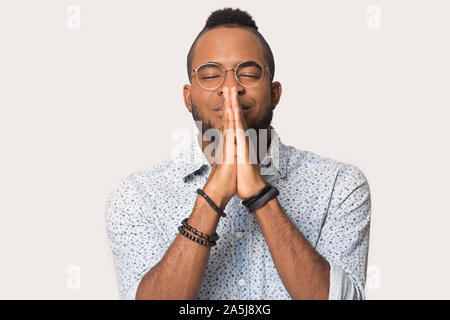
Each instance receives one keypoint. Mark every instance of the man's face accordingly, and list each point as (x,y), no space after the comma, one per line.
(228,47)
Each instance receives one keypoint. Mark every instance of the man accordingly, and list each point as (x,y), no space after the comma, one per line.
(305,238)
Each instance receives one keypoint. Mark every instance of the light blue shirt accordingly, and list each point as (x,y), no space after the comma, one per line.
(327,200)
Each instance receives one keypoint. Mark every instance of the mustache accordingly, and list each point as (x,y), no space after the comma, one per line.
(244,106)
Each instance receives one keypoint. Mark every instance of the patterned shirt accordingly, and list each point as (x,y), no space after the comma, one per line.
(327,200)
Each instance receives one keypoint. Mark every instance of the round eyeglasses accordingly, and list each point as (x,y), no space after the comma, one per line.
(211,75)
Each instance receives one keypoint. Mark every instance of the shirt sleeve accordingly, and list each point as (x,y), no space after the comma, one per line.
(344,238)
(135,242)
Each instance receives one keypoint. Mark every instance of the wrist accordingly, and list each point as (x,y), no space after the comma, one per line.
(262,198)
(219,199)
(252,189)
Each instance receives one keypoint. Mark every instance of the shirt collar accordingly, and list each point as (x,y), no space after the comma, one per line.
(193,159)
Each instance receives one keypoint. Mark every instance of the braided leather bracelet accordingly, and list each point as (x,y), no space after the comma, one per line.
(205,236)
(213,205)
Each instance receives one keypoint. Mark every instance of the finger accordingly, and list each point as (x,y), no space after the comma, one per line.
(227,109)
(241,143)
(224,114)
(225,121)
(228,133)
(237,110)
(241,127)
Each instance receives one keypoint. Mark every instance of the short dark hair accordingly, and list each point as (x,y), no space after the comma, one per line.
(232,18)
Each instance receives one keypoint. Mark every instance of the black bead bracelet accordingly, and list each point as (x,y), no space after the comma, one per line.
(214,237)
(199,241)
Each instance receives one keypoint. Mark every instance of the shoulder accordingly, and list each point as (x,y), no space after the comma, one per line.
(308,163)
(342,185)
(132,190)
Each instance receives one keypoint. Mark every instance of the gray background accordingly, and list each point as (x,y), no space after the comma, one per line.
(84,105)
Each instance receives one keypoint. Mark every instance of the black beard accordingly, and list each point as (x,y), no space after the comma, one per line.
(262,123)
(197,117)
(265,119)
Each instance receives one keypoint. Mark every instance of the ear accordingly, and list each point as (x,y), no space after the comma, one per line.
(187,97)
(276,92)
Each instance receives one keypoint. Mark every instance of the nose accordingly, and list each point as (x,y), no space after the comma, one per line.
(231,81)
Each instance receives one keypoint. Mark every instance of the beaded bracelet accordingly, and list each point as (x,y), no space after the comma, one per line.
(205,236)
(213,205)
(199,241)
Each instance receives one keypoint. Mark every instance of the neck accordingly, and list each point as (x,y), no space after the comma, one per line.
(210,157)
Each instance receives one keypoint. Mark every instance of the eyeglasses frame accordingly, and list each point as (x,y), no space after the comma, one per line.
(225,70)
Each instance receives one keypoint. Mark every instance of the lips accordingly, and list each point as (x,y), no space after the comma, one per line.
(244,107)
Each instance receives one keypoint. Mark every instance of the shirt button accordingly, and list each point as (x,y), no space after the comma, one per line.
(242,282)
(240,235)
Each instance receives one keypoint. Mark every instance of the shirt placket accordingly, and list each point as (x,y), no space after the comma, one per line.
(240,237)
